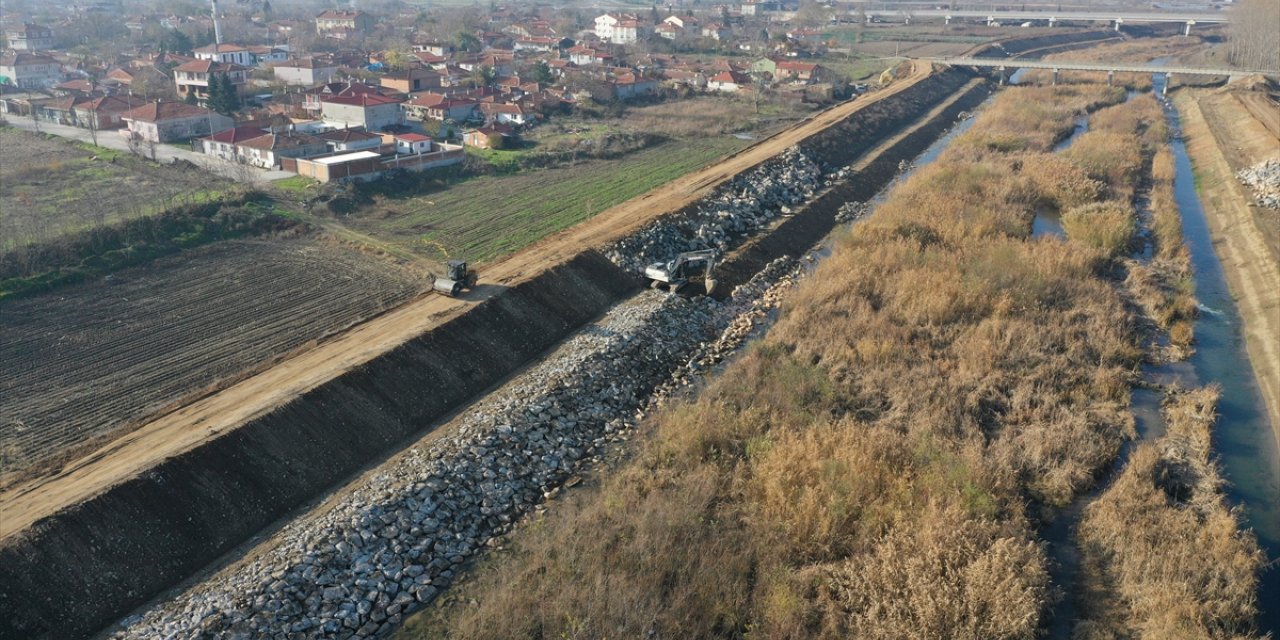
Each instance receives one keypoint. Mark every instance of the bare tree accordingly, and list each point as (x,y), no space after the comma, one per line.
(1251,35)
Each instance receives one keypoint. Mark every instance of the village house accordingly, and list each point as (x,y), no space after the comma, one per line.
(262,54)
(270,149)
(30,70)
(440,107)
(620,29)
(226,54)
(305,72)
(30,37)
(408,143)
(410,80)
(193,77)
(167,121)
(583,56)
(728,81)
(494,136)
(371,111)
(223,143)
(342,24)
(507,113)
(350,139)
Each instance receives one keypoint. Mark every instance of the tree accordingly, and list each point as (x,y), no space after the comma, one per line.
(230,97)
(483,75)
(812,14)
(213,94)
(1251,34)
(542,72)
(468,42)
(176,41)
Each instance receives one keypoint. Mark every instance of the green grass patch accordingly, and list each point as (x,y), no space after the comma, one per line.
(486,217)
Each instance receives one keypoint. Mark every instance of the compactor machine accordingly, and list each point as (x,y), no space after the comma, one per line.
(457,277)
(691,267)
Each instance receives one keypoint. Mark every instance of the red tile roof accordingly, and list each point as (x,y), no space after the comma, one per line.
(160,111)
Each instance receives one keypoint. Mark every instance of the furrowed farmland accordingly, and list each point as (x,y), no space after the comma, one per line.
(61,187)
(86,361)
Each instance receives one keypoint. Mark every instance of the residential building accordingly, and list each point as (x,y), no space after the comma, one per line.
(262,54)
(270,149)
(620,29)
(436,106)
(507,113)
(411,80)
(495,136)
(223,144)
(342,24)
(105,112)
(728,81)
(350,139)
(166,121)
(30,70)
(226,54)
(409,143)
(371,111)
(193,77)
(30,37)
(306,72)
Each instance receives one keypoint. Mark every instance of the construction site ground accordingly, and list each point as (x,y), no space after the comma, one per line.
(215,415)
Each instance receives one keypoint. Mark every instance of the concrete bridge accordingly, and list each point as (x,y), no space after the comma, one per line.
(1053,17)
(1109,68)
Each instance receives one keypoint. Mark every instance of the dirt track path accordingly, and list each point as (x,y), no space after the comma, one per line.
(212,416)
(1251,266)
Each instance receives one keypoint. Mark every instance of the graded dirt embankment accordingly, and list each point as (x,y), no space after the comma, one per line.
(173,434)
(186,488)
(1217,127)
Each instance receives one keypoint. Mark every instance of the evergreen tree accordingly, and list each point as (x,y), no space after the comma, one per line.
(230,96)
(542,72)
(214,97)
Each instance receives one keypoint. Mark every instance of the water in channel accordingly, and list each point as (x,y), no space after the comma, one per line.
(1243,439)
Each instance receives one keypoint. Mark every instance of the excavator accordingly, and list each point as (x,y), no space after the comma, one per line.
(457,277)
(691,267)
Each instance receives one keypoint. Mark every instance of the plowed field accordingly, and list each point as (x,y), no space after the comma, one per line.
(81,363)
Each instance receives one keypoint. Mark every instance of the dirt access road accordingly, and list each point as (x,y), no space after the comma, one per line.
(1223,136)
(212,416)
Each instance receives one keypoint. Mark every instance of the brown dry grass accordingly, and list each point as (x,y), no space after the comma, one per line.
(864,472)
(1163,554)
(867,469)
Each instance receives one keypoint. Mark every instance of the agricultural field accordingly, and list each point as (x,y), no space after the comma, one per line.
(60,186)
(486,217)
(86,361)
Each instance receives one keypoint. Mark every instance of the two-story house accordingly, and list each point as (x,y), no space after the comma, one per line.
(306,72)
(340,24)
(620,29)
(226,54)
(193,77)
(368,110)
(30,37)
(166,121)
(30,70)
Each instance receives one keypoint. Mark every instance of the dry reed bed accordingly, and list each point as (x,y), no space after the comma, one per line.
(1164,554)
(875,466)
